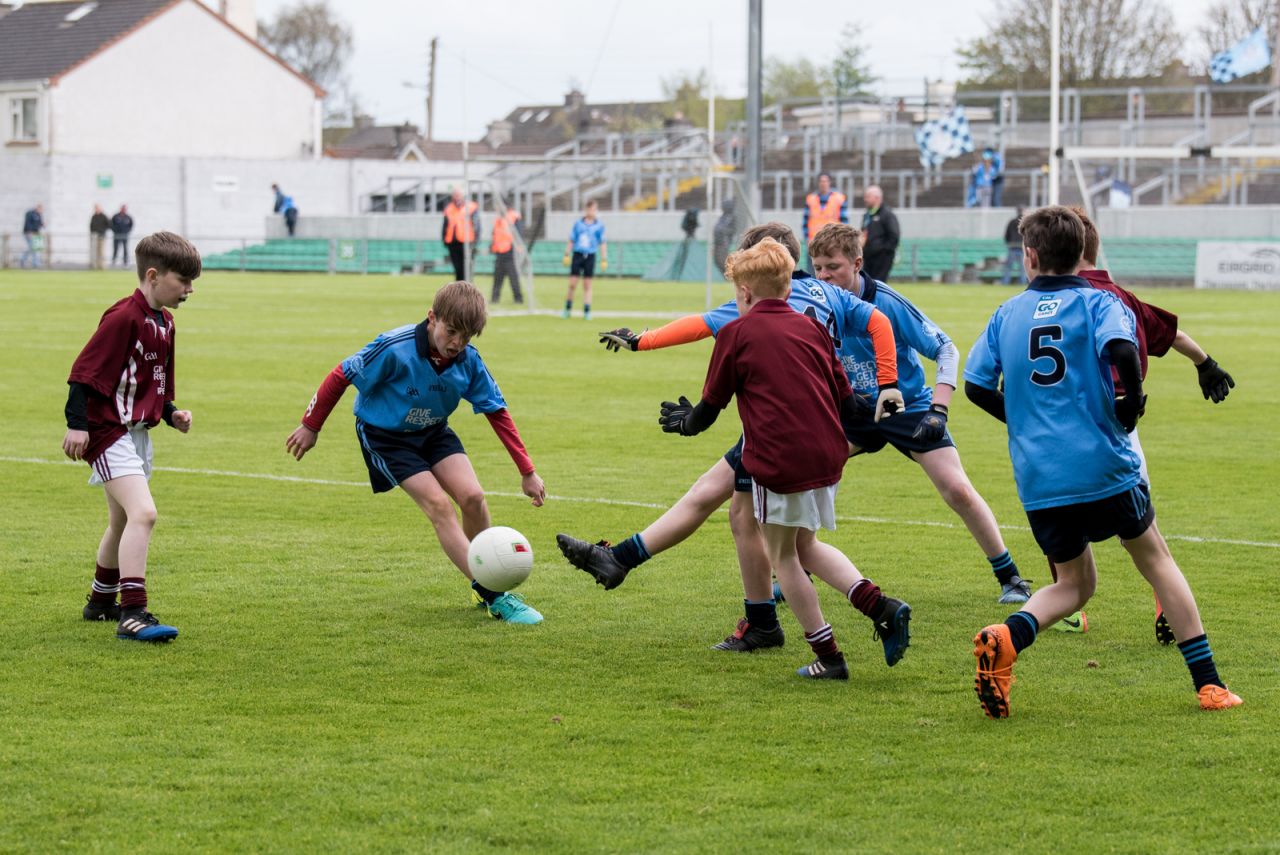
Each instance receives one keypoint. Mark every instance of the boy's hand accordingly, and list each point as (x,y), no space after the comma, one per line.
(181,420)
(604,265)
(74,443)
(302,440)
(616,340)
(1215,383)
(1129,409)
(674,414)
(565,260)
(889,403)
(531,485)
(934,424)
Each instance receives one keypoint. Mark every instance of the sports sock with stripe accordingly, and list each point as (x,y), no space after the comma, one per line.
(631,552)
(133,592)
(823,642)
(106,584)
(1199,659)
(1004,568)
(1023,628)
(864,595)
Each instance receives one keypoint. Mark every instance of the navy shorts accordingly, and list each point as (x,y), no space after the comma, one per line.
(871,436)
(741,477)
(584,264)
(1064,532)
(392,455)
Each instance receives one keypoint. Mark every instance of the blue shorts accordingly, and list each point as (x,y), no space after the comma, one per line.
(741,477)
(871,436)
(392,455)
(1064,532)
(584,264)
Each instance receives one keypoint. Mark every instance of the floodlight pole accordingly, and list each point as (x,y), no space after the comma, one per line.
(1055,61)
(711,152)
(431,90)
(754,85)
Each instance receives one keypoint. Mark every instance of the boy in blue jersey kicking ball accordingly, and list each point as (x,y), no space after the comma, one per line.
(1077,474)
(920,432)
(409,381)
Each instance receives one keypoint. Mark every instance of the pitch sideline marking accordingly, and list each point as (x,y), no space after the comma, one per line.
(294,479)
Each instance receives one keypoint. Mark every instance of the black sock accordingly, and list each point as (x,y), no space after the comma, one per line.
(762,615)
(489,596)
(631,552)
(1004,568)
(1023,628)
(1199,659)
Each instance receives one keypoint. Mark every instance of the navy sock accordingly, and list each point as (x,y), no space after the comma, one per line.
(631,552)
(489,596)
(1199,659)
(763,614)
(1023,628)
(586,308)
(568,305)
(1004,568)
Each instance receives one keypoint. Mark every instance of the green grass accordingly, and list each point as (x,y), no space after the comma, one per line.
(333,690)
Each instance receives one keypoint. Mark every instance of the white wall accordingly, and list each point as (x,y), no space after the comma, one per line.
(184,84)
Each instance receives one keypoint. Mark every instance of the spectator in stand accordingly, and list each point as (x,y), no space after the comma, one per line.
(285,207)
(822,207)
(121,225)
(461,225)
(1013,250)
(992,157)
(32,229)
(979,190)
(880,235)
(99,225)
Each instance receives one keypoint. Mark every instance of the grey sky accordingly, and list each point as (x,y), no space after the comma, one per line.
(502,53)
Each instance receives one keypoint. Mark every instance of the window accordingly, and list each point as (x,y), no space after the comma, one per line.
(24,127)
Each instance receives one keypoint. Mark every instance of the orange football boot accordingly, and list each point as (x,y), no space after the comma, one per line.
(993,648)
(1218,698)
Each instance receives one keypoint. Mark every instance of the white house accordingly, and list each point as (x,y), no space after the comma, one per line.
(147,77)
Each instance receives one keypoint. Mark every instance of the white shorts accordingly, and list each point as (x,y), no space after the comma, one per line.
(128,455)
(811,509)
(1142,457)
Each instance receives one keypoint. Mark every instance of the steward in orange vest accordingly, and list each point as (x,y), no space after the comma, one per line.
(504,257)
(461,223)
(825,206)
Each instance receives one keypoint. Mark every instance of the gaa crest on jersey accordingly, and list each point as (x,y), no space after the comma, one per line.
(815,292)
(1047,307)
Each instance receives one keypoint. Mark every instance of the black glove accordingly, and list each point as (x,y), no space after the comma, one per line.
(674,415)
(933,425)
(1128,411)
(1214,382)
(864,408)
(615,340)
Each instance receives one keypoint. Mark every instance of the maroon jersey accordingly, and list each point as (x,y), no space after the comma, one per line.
(128,365)
(784,370)
(1155,327)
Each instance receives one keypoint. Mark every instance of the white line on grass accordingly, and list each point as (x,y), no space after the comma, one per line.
(263,476)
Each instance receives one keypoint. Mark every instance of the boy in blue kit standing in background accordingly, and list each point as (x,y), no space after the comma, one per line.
(586,240)
(1077,474)
(410,380)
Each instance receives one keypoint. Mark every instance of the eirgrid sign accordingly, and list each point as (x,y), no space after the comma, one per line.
(1250,266)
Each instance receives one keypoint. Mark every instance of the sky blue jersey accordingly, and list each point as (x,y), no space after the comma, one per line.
(841,313)
(913,333)
(399,388)
(1050,344)
(587,237)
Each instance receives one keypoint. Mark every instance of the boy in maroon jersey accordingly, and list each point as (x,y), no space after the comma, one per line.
(121,386)
(791,392)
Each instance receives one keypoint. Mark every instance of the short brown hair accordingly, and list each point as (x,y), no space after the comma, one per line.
(1057,236)
(778,231)
(764,269)
(836,239)
(461,306)
(1091,239)
(167,253)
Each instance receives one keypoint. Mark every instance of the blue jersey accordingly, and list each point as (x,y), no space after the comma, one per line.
(913,334)
(1050,344)
(399,388)
(843,314)
(587,237)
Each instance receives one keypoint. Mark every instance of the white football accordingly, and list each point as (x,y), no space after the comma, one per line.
(500,558)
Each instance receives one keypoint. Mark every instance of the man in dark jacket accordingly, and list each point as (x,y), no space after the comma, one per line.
(880,235)
(121,225)
(98,227)
(32,226)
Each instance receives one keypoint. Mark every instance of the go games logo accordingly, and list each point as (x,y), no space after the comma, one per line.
(1047,307)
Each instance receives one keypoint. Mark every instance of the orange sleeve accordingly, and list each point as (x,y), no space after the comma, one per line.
(881,332)
(683,331)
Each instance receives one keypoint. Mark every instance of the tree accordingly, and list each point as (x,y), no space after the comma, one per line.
(1103,41)
(849,76)
(312,40)
(799,79)
(686,93)
(1228,21)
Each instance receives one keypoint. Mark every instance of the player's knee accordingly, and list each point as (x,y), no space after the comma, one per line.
(144,517)
(959,494)
(472,504)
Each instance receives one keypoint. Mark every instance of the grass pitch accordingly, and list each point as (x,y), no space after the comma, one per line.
(333,689)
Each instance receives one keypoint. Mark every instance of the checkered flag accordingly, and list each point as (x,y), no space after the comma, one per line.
(1250,54)
(945,138)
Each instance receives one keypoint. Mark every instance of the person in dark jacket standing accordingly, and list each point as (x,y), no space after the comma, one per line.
(121,225)
(98,227)
(880,235)
(1013,250)
(32,226)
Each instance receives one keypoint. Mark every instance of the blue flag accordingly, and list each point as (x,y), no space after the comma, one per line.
(945,138)
(1250,54)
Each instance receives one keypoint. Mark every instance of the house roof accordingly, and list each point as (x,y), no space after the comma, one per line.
(46,39)
(388,142)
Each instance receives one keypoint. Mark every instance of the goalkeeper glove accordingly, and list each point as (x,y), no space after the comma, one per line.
(934,424)
(674,415)
(1214,382)
(890,401)
(565,260)
(615,340)
(604,265)
(1129,409)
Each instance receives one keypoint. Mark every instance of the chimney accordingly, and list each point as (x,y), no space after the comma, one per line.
(241,14)
(574,100)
